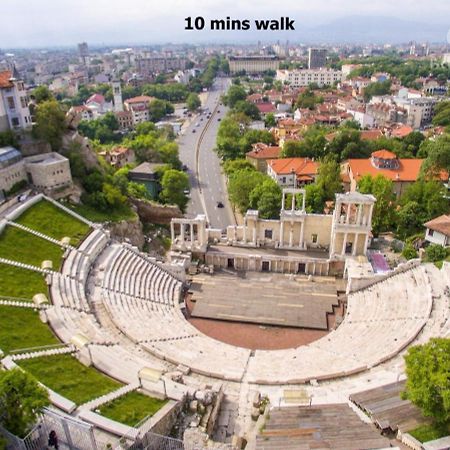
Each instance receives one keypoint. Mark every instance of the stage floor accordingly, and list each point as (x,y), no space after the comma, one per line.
(265,298)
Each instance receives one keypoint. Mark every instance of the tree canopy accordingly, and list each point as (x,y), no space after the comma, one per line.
(50,123)
(21,400)
(173,184)
(428,382)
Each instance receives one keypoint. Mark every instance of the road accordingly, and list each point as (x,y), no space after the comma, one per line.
(196,146)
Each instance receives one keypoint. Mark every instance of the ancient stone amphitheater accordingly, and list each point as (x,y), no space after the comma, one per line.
(122,310)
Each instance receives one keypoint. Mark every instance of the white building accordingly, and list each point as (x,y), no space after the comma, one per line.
(438,231)
(14,112)
(304,77)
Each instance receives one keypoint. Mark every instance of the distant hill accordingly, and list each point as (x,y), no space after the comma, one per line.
(372,29)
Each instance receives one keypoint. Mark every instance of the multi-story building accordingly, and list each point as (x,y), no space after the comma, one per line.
(14,111)
(47,171)
(292,172)
(12,169)
(304,77)
(139,107)
(83,52)
(317,58)
(253,64)
(159,64)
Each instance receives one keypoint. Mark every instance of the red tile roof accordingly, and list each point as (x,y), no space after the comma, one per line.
(140,99)
(440,224)
(401,131)
(265,107)
(384,154)
(408,170)
(371,135)
(96,98)
(301,166)
(5,77)
(264,151)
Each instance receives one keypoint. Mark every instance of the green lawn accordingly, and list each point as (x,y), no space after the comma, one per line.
(131,408)
(22,283)
(26,248)
(95,215)
(69,378)
(430,432)
(22,328)
(54,222)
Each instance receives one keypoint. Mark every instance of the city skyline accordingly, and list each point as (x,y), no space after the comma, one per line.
(107,22)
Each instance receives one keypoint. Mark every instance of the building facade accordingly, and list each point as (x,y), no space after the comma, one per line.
(305,77)
(317,58)
(14,112)
(253,64)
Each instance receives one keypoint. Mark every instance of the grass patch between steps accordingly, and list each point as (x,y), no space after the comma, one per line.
(54,222)
(21,283)
(22,328)
(68,377)
(131,408)
(430,432)
(24,247)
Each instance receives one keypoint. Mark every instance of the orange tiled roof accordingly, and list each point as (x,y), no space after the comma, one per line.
(264,151)
(408,170)
(440,224)
(384,154)
(140,99)
(371,135)
(301,166)
(402,131)
(5,77)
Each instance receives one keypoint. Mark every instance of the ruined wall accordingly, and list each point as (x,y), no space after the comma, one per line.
(150,212)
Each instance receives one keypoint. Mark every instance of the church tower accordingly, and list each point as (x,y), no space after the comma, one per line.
(117,93)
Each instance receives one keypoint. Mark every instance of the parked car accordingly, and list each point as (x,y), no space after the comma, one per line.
(220,205)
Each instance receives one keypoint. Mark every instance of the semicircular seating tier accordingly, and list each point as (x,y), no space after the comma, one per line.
(142,300)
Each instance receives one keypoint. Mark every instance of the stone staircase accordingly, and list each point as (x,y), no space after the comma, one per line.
(94,404)
(40,235)
(49,352)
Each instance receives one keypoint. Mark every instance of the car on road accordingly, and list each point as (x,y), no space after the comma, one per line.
(220,205)
(219,119)
(193,130)
(186,192)
(218,111)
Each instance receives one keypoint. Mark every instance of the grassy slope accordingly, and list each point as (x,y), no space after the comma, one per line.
(54,222)
(22,328)
(24,247)
(131,408)
(22,283)
(68,377)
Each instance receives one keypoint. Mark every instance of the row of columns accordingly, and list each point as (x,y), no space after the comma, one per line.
(301,244)
(200,236)
(363,216)
(355,243)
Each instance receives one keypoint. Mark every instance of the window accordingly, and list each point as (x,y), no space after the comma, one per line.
(15,122)
(268,234)
(430,232)
(11,104)
(314,238)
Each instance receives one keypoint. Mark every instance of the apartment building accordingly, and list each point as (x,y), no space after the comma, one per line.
(253,64)
(14,111)
(304,77)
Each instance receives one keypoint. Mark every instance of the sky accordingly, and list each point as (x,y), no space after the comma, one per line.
(35,23)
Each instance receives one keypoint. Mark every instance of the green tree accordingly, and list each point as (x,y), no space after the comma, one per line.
(442,114)
(307,99)
(383,212)
(428,381)
(159,109)
(234,94)
(409,219)
(8,138)
(377,88)
(21,398)
(234,165)
(270,120)
(438,156)
(193,101)
(435,252)
(247,108)
(409,252)
(240,185)
(42,94)
(266,198)
(173,184)
(50,123)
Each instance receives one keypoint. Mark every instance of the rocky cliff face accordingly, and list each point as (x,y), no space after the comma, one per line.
(153,213)
(86,151)
(130,231)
